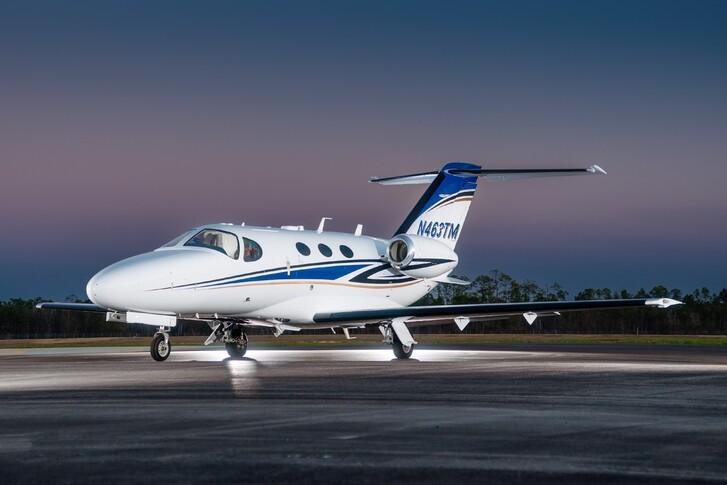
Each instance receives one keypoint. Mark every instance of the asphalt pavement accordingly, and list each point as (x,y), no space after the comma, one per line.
(480,414)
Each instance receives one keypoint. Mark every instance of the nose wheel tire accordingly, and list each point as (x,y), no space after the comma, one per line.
(236,349)
(161,347)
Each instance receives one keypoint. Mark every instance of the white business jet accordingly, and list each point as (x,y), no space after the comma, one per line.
(289,279)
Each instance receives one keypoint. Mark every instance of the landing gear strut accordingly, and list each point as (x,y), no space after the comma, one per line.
(160,345)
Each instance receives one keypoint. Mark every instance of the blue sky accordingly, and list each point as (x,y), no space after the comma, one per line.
(123,124)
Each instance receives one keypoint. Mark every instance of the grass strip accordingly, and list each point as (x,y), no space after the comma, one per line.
(372,339)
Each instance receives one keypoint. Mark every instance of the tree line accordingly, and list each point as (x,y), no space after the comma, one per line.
(703,312)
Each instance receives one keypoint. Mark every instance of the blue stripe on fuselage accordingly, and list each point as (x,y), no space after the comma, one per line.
(327,273)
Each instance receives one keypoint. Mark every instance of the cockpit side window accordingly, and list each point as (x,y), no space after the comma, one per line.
(253,251)
(224,242)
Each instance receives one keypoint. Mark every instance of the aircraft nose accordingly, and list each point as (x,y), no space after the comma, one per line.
(115,287)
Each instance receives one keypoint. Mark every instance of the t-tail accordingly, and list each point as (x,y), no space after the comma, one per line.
(441,211)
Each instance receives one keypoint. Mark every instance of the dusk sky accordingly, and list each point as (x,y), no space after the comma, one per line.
(123,124)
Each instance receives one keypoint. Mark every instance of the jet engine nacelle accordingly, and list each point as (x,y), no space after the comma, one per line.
(420,257)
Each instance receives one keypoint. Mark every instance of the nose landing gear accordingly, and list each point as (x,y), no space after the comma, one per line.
(161,347)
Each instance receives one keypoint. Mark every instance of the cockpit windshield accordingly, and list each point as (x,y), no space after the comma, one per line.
(178,239)
(221,241)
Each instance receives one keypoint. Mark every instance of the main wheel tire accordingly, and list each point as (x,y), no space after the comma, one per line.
(402,351)
(160,347)
(236,350)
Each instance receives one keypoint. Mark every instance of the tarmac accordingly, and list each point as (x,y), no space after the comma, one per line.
(495,413)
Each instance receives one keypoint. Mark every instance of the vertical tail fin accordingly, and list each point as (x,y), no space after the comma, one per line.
(441,211)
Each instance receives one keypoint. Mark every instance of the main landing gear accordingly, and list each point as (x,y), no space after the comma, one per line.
(235,341)
(232,334)
(160,345)
(401,351)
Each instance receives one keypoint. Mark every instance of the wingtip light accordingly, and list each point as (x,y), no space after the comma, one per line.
(663,302)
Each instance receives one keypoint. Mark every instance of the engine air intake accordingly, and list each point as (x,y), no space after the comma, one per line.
(420,257)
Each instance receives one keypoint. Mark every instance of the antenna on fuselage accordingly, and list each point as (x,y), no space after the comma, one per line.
(323,223)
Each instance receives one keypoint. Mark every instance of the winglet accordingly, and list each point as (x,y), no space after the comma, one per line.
(596,169)
(663,302)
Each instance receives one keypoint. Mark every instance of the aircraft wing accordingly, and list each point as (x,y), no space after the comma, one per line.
(485,311)
(79,307)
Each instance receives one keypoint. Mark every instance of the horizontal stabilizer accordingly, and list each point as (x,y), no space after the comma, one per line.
(451,280)
(490,174)
(496,175)
(417,178)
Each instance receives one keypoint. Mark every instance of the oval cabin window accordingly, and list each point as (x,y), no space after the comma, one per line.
(325,250)
(346,251)
(302,249)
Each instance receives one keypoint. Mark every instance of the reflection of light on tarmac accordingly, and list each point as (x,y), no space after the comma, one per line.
(200,355)
(243,376)
(94,368)
(544,360)
(327,355)
(272,357)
